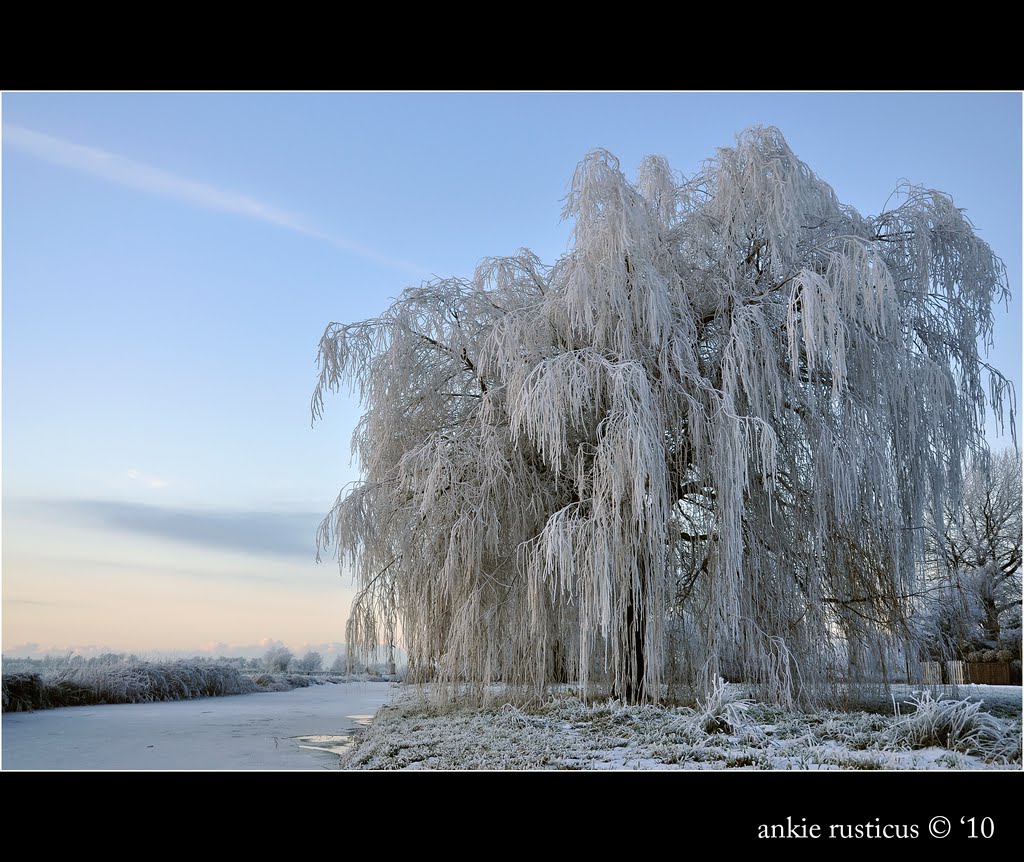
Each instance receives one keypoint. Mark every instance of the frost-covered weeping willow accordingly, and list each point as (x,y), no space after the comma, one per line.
(703,442)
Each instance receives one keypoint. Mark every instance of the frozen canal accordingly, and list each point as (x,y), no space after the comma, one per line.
(280,730)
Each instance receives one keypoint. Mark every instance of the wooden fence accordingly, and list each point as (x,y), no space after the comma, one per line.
(992,673)
(970,673)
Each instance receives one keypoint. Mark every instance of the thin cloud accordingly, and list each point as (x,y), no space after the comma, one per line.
(148,480)
(50,603)
(125,172)
(285,534)
(289,574)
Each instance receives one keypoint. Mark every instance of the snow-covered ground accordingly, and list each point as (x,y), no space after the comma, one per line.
(309,728)
(410,733)
(299,729)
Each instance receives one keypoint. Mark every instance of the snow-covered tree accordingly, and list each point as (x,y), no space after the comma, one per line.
(311,661)
(278,659)
(703,442)
(975,563)
(983,543)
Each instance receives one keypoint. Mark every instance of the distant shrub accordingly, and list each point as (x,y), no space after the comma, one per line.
(283,682)
(270,682)
(116,681)
(992,655)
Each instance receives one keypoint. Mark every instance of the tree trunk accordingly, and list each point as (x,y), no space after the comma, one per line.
(635,666)
(632,664)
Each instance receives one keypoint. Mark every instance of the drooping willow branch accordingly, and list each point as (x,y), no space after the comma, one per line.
(696,444)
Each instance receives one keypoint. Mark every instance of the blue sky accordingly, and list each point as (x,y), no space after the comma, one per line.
(170,261)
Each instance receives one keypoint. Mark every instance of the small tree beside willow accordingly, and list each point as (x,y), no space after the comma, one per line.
(705,441)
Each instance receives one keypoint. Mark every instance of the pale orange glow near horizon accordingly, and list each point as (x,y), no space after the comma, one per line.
(68,588)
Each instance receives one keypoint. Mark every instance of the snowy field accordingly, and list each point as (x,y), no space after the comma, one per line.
(299,729)
(723,734)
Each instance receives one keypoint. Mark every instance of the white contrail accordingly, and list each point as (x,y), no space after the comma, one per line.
(126,172)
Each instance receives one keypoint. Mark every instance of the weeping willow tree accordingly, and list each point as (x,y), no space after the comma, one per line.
(705,441)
